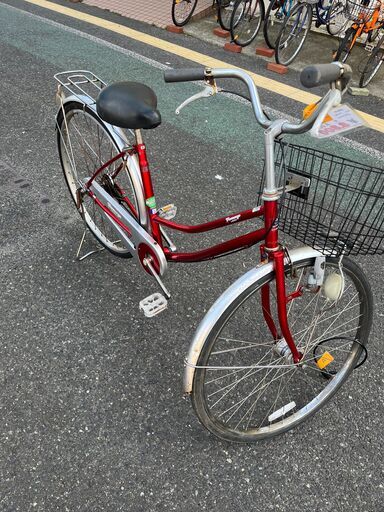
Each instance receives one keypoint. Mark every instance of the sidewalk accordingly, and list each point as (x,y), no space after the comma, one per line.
(158,13)
(154,12)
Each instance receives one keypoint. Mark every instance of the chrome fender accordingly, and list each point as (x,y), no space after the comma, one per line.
(224,301)
(122,142)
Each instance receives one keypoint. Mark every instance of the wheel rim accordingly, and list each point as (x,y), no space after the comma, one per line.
(246,21)
(85,145)
(274,21)
(225,14)
(345,45)
(372,67)
(293,35)
(241,398)
(336,19)
(182,10)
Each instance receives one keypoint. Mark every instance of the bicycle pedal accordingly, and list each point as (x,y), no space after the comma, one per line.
(153,304)
(369,47)
(167,212)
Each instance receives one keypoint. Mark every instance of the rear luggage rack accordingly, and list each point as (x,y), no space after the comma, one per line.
(80,83)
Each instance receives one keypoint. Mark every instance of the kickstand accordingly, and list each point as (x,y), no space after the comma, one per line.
(81,258)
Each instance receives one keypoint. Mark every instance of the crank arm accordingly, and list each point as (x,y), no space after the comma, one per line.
(134,235)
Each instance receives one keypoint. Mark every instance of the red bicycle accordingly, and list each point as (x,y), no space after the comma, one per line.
(283,338)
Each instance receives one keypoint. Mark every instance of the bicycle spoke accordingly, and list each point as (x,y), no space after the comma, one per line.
(259,392)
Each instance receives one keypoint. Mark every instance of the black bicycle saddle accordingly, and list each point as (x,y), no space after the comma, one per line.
(128,105)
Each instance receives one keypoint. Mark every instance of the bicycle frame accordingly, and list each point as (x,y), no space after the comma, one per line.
(270,250)
(155,220)
(366,26)
(321,12)
(287,6)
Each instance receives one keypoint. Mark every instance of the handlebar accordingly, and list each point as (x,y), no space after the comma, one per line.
(336,73)
(184,75)
(320,74)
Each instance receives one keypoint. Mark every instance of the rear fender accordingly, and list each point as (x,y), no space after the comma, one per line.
(122,142)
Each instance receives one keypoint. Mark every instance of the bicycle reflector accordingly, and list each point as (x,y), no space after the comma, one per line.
(310,108)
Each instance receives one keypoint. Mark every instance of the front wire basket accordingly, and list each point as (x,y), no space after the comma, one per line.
(339,208)
(360,11)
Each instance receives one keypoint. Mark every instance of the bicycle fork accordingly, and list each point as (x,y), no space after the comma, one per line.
(282,302)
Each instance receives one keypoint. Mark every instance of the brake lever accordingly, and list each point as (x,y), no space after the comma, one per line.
(206,93)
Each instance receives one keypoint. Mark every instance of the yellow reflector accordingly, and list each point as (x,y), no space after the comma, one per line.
(310,108)
(324,360)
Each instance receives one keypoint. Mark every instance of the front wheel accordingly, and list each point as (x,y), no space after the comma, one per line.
(245,387)
(274,18)
(346,45)
(336,18)
(293,34)
(182,11)
(373,64)
(246,20)
(224,13)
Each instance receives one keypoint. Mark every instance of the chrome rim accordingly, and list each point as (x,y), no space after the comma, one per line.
(250,388)
(85,145)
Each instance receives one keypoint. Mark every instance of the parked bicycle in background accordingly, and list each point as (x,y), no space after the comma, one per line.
(296,26)
(183,10)
(246,20)
(367,18)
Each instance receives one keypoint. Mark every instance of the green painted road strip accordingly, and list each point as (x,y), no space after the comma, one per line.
(219,122)
(266,83)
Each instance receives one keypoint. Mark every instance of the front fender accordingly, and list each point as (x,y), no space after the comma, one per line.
(225,300)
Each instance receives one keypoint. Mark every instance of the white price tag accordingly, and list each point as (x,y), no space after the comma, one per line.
(340,119)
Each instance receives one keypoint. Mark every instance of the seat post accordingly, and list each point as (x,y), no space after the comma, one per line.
(149,194)
(139,137)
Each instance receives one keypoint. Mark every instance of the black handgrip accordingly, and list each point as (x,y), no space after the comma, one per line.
(319,74)
(184,75)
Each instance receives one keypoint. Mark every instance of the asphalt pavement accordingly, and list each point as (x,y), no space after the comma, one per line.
(92,416)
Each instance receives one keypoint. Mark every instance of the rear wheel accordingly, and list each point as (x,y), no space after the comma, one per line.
(245,387)
(85,144)
(224,13)
(246,20)
(182,11)
(336,18)
(293,34)
(346,45)
(373,34)
(322,9)
(373,64)
(274,18)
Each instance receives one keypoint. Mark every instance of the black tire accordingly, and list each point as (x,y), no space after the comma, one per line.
(224,13)
(373,35)
(336,18)
(273,21)
(182,11)
(345,47)
(373,64)
(322,10)
(293,34)
(80,158)
(246,20)
(236,405)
